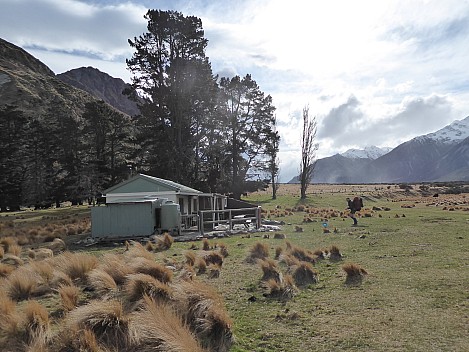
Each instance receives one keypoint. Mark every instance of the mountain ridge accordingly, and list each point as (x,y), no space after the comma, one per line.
(442,155)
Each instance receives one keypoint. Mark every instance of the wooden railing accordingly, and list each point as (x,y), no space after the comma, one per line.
(230,217)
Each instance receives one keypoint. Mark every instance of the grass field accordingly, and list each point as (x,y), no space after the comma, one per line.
(413,247)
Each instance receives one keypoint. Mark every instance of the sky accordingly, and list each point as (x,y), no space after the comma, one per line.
(372,73)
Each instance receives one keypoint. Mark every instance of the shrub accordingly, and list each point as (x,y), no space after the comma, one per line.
(278,252)
(6,242)
(214,271)
(149,246)
(69,295)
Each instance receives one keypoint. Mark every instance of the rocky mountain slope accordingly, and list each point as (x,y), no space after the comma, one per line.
(101,85)
(30,86)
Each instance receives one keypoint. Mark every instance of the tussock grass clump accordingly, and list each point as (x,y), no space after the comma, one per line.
(278,252)
(258,251)
(223,250)
(139,285)
(187,273)
(101,282)
(214,271)
(213,258)
(7,242)
(36,322)
(355,273)
(9,318)
(334,254)
(203,309)
(152,268)
(12,259)
(205,244)
(302,254)
(164,243)
(283,290)
(136,249)
(69,295)
(76,265)
(270,270)
(149,246)
(289,259)
(21,284)
(116,267)
(40,253)
(304,274)
(14,249)
(157,327)
(191,257)
(105,319)
(6,269)
(201,265)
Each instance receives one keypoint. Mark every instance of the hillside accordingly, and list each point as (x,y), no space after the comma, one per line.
(31,87)
(102,86)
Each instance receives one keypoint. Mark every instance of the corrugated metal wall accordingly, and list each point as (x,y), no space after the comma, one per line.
(122,220)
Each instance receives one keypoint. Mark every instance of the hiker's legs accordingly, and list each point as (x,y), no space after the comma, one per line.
(352,215)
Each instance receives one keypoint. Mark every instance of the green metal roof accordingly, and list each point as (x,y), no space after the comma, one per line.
(145,183)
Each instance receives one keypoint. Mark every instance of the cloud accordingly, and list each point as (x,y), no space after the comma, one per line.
(341,119)
(346,126)
(73,27)
(372,72)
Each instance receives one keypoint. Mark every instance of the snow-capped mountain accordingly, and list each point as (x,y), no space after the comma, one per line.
(370,152)
(439,156)
(455,132)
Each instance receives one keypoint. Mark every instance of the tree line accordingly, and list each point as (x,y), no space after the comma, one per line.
(215,134)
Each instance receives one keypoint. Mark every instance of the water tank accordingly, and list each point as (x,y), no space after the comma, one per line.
(170,216)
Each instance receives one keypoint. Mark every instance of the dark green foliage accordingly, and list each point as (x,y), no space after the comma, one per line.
(13,126)
(215,135)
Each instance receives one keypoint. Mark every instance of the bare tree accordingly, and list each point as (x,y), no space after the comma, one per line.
(308,151)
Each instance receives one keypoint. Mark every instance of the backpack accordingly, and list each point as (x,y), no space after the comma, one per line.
(357,203)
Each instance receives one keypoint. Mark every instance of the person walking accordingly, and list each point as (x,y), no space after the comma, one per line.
(354,205)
